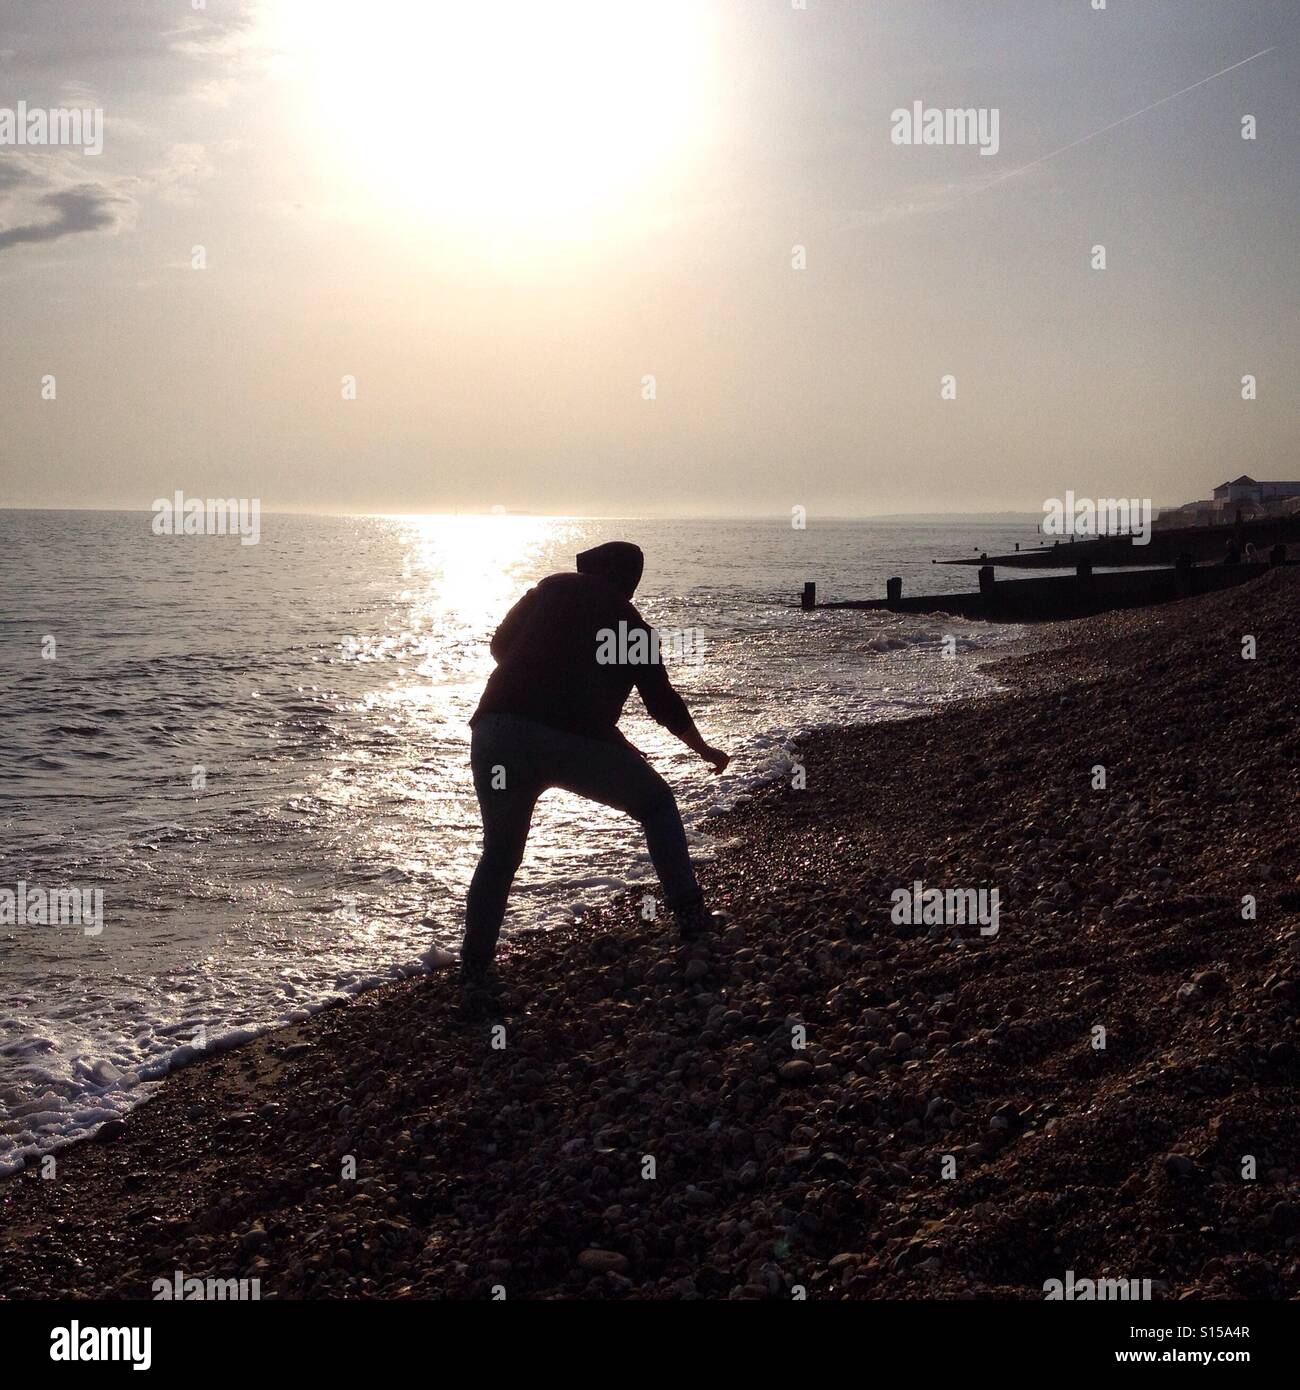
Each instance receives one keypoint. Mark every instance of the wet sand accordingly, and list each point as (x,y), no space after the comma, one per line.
(951,1128)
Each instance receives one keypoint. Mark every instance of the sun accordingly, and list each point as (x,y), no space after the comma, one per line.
(506,112)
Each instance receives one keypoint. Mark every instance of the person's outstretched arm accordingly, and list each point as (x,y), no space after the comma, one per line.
(694,740)
(665,705)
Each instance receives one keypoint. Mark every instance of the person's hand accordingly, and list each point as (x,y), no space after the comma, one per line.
(715,758)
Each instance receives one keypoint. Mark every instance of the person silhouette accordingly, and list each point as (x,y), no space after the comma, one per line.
(568,655)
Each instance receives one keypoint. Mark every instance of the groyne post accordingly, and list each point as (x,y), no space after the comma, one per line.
(893,591)
(986,584)
(1183,573)
(809,599)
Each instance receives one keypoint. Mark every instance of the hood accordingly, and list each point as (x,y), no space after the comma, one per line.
(619,562)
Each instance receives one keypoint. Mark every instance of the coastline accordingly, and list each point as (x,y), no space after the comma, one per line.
(523,1166)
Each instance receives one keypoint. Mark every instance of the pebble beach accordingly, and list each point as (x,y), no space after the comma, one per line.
(822,1101)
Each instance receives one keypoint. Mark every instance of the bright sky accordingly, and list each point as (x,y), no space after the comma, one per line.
(500,217)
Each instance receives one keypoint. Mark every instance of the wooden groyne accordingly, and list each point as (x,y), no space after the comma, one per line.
(1077,595)
(1200,542)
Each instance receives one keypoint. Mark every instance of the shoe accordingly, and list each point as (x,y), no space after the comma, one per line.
(694,921)
(480,993)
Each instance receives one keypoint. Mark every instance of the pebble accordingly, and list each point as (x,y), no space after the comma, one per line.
(603,1262)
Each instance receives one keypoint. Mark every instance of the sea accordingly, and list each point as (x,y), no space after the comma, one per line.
(257,755)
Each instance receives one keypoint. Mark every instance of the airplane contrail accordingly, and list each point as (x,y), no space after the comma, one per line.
(1083,139)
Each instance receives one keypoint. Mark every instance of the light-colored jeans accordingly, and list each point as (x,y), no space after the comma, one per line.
(514,761)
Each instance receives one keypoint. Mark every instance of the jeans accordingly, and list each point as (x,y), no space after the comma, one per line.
(514,761)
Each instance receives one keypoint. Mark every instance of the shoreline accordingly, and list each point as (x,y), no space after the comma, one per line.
(523,1165)
(416,958)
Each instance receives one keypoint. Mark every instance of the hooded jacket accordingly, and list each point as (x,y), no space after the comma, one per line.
(553,651)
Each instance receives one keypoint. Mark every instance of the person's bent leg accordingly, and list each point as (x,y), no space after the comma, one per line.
(507,792)
(617,776)
(665,838)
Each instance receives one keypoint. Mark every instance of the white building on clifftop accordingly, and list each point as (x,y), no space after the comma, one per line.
(1246,489)
(1244,495)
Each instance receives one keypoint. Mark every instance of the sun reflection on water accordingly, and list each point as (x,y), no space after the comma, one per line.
(470,566)
(461,574)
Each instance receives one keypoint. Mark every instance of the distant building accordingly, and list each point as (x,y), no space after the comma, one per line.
(1244,495)
(1246,489)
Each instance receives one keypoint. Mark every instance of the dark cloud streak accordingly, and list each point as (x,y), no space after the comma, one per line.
(86,207)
